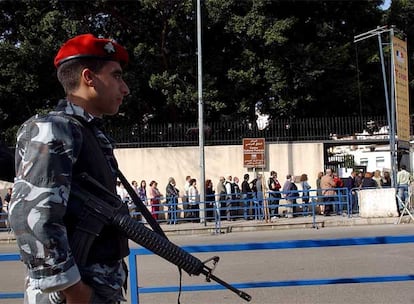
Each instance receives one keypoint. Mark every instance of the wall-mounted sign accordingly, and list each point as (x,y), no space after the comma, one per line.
(254,153)
(401,91)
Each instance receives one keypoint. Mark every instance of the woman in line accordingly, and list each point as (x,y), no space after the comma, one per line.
(155,199)
(305,193)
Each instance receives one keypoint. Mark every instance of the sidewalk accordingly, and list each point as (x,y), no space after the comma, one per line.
(186,228)
(278,224)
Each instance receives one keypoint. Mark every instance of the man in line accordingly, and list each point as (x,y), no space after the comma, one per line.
(221,198)
(247,196)
(403,181)
(229,185)
(274,193)
(329,194)
(52,150)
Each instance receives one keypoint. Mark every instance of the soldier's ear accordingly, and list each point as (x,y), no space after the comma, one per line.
(87,77)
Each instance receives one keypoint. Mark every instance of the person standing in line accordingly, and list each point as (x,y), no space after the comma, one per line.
(377,178)
(305,193)
(339,206)
(358,179)
(155,199)
(7,199)
(172,194)
(121,191)
(351,185)
(403,181)
(221,192)
(229,185)
(290,194)
(134,185)
(368,182)
(386,179)
(274,194)
(6,207)
(319,192)
(142,192)
(193,201)
(237,195)
(247,196)
(52,150)
(131,204)
(259,215)
(210,199)
(328,192)
(184,199)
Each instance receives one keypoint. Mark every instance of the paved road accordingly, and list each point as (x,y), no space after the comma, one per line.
(277,265)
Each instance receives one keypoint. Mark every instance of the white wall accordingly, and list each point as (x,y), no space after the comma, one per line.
(161,163)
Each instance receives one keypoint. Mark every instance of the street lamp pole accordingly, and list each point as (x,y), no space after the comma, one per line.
(200,116)
(389,105)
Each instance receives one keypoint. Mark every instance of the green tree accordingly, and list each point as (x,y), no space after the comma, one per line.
(298,57)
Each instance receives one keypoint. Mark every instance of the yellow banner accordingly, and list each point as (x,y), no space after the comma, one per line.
(401,89)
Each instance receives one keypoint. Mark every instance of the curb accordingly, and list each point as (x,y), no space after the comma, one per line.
(249,226)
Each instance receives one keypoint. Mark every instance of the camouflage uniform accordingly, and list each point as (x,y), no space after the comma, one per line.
(48,147)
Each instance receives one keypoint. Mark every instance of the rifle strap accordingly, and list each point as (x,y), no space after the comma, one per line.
(140,205)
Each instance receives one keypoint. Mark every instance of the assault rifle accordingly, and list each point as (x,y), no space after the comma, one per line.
(104,210)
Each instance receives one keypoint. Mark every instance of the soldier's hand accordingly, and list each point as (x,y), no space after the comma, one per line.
(80,293)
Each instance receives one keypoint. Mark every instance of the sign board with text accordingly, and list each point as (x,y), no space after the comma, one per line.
(401,91)
(254,153)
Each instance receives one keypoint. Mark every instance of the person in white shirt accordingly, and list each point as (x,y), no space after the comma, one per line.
(193,200)
(229,198)
(403,180)
(184,198)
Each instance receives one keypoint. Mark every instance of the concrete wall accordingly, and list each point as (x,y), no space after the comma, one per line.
(377,203)
(161,163)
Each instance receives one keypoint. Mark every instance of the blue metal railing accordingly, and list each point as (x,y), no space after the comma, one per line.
(235,206)
(292,244)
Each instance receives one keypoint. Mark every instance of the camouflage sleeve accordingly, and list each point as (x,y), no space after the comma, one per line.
(46,150)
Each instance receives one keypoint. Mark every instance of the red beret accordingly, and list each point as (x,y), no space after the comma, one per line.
(88,46)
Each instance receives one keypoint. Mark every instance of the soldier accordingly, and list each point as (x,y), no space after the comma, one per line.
(51,151)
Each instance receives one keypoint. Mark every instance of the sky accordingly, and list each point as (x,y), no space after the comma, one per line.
(386,4)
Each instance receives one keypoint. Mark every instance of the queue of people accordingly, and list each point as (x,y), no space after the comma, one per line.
(229,200)
(257,198)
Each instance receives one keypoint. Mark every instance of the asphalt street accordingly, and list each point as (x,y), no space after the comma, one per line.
(275,265)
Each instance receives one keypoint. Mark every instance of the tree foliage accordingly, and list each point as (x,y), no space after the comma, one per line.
(297,57)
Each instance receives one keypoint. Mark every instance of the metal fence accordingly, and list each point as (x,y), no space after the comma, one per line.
(136,290)
(252,206)
(232,132)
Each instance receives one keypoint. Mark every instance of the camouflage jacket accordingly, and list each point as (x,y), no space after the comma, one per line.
(46,150)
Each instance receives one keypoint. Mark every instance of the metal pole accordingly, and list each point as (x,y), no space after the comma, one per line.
(389,105)
(384,78)
(200,116)
(390,115)
(393,133)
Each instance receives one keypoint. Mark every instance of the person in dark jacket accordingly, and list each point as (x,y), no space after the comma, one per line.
(368,181)
(210,199)
(247,197)
(172,194)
